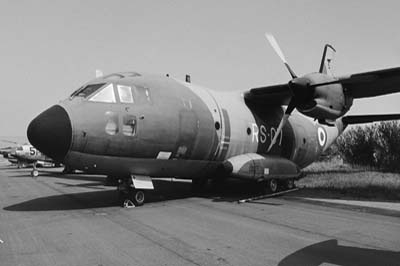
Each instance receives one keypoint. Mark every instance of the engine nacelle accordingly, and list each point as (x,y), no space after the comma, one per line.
(328,102)
(258,167)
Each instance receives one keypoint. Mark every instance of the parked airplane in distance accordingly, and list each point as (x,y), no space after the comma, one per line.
(26,154)
(137,126)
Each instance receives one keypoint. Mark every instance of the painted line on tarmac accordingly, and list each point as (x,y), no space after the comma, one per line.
(267,196)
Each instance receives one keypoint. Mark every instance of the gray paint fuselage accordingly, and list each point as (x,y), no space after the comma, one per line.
(182,130)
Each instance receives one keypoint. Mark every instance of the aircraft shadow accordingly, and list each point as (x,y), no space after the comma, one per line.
(230,190)
(103,197)
(329,252)
(71,201)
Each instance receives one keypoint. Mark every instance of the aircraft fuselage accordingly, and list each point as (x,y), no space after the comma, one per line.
(169,127)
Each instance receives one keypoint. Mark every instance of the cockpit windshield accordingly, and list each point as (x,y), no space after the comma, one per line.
(105,95)
(87,90)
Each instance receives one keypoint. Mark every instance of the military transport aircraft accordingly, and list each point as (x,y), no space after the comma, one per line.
(138,126)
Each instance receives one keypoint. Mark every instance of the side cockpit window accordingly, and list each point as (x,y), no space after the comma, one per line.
(125,94)
(106,95)
(87,90)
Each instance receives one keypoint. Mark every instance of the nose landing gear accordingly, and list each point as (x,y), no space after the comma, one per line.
(133,198)
(131,191)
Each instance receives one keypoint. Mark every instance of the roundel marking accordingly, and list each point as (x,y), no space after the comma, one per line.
(321,136)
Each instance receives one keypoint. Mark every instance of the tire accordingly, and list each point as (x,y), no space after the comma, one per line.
(290,184)
(34,173)
(137,196)
(272,185)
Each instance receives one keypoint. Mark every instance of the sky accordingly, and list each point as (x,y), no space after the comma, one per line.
(49,48)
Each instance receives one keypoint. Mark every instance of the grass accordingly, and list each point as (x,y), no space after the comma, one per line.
(338,180)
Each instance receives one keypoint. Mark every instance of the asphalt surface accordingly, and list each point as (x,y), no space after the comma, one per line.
(75,220)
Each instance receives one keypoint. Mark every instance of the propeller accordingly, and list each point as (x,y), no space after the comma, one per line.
(279,52)
(299,87)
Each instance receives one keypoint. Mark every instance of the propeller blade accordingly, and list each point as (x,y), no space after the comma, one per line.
(278,131)
(291,106)
(278,51)
(289,110)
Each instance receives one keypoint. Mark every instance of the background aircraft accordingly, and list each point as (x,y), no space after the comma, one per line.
(138,126)
(25,155)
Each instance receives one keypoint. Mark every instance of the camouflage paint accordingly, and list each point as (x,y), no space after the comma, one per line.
(181,129)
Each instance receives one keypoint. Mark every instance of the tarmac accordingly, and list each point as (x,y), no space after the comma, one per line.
(75,220)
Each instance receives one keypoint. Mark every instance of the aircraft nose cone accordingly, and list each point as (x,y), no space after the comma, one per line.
(51,132)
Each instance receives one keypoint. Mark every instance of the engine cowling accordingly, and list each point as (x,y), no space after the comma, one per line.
(324,102)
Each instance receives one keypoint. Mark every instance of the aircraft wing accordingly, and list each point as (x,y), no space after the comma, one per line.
(361,119)
(360,85)
(373,83)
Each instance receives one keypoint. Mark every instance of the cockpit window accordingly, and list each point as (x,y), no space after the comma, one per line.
(87,90)
(19,148)
(106,95)
(125,94)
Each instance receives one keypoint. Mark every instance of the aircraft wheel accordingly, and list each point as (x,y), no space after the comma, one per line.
(290,184)
(137,196)
(34,173)
(272,185)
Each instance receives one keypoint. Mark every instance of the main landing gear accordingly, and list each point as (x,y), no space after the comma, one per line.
(273,185)
(131,191)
